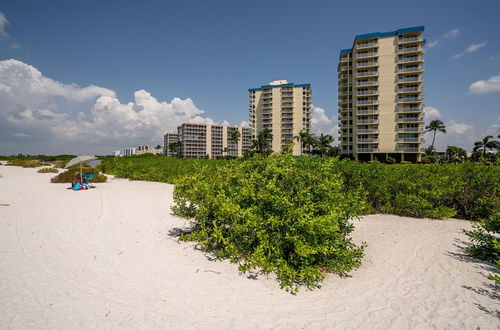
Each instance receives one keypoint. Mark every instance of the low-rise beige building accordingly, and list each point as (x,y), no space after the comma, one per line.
(146,149)
(380,94)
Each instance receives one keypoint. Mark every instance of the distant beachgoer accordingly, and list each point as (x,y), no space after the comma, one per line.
(77,179)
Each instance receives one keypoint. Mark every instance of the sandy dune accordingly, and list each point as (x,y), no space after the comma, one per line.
(104,259)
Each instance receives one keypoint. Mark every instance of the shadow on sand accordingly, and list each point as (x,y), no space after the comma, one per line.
(488,289)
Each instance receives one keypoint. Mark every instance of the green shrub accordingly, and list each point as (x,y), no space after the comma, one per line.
(69,175)
(48,170)
(277,214)
(26,163)
(468,191)
(154,168)
(486,243)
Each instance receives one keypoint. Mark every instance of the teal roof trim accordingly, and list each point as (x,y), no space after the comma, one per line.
(383,34)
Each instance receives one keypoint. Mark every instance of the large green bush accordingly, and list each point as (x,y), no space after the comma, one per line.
(277,214)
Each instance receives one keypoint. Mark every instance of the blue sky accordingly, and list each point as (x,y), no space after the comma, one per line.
(206,54)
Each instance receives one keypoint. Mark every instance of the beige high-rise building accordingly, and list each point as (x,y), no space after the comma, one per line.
(211,140)
(381,96)
(285,109)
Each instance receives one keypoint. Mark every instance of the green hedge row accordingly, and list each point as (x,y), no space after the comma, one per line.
(467,191)
(154,168)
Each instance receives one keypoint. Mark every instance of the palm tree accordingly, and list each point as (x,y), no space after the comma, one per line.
(306,140)
(174,147)
(234,135)
(262,143)
(323,144)
(456,154)
(486,144)
(435,125)
(234,138)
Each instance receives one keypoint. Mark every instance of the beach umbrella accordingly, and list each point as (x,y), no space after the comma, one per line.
(80,160)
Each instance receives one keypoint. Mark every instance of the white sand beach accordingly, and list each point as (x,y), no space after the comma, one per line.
(107,258)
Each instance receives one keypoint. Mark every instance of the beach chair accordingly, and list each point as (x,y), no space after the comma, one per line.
(87,179)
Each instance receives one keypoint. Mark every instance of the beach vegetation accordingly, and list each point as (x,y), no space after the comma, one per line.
(48,170)
(276,214)
(485,238)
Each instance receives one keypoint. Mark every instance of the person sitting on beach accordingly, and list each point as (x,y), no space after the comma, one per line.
(77,179)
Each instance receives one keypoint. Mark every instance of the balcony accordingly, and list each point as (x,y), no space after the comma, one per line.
(367,83)
(367,149)
(344,59)
(406,108)
(343,102)
(409,99)
(409,89)
(410,59)
(406,50)
(403,40)
(343,68)
(366,112)
(410,69)
(367,73)
(366,121)
(410,129)
(367,131)
(410,149)
(286,104)
(410,119)
(366,54)
(344,93)
(369,140)
(366,102)
(367,92)
(410,140)
(409,79)
(366,45)
(366,64)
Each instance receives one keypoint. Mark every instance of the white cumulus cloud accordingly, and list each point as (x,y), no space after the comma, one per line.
(491,85)
(431,113)
(44,109)
(458,128)
(321,123)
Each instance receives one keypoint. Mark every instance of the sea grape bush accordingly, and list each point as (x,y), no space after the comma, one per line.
(468,191)
(154,168)
(277,214)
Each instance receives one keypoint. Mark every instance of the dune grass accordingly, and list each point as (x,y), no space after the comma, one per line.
(48,170)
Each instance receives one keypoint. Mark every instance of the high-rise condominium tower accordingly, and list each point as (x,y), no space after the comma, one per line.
(381,96)
(285,109)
